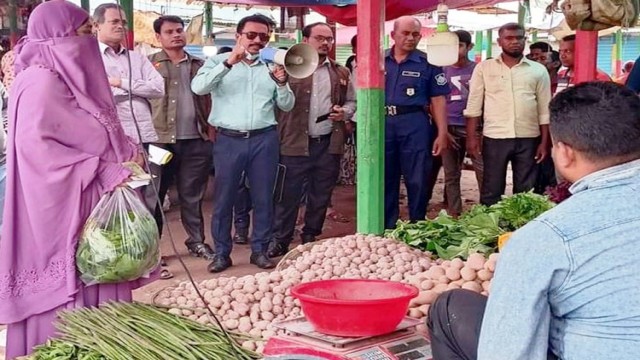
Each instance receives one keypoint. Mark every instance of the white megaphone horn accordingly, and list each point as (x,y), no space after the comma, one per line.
(300,61)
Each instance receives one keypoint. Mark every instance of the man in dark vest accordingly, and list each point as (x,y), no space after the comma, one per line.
(180,120)
(312,137)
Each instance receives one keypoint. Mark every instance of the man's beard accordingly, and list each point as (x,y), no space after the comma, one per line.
(513,54)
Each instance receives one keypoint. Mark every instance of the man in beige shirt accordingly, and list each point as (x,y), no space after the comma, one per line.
(510,95)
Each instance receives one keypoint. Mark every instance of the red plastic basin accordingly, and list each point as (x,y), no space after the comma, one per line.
(353,307)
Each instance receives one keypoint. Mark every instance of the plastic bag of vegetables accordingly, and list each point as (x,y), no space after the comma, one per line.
(119,241)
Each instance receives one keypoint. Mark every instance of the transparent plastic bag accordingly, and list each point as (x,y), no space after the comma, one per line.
(119,241)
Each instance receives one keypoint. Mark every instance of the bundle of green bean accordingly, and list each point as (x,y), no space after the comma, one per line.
(128,331)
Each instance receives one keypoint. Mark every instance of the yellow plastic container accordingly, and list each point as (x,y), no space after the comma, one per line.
(502,240)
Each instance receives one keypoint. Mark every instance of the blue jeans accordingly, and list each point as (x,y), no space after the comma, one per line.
(258,157)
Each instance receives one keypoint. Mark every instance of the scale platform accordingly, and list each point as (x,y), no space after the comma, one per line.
(302,342)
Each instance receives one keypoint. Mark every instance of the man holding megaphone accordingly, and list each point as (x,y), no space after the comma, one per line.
(312,135)
(245,92)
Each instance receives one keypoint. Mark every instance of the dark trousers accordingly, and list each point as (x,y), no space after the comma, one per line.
(320,170)
(432,176)
(257,156)
(546,175)
(407,154)
(241,209)
(452,161)
(454,323)
(189,170)
(496,155)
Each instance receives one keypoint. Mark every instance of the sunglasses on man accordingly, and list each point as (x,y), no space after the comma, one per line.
(264,37)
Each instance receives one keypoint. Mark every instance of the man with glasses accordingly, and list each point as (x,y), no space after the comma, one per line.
(146,83)
(511,94)
(415,95)
(312,138)
(245,93)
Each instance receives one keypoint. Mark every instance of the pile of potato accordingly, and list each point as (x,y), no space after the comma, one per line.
(252,303)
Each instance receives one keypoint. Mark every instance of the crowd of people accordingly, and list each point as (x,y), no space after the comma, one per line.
(81,105)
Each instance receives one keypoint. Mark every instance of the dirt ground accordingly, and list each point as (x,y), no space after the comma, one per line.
(344,201)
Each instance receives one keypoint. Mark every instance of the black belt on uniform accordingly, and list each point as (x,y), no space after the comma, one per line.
(393,110)
(320,138)
(245,134)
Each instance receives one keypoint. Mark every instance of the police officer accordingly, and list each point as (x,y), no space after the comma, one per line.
(415,95)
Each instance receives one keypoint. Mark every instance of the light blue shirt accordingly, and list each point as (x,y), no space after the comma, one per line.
(244,96)
(569,281)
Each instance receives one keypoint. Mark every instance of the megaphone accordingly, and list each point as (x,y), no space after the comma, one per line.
(300,61)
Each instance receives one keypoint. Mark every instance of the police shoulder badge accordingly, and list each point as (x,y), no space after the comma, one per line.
(441,79)
(411,91)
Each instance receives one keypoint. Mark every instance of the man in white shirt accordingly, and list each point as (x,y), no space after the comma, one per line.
(511,94)
(141,80)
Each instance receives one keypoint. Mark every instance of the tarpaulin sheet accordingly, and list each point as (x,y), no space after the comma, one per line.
(341,12)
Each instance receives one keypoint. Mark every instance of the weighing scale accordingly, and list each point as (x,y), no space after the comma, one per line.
(302,342)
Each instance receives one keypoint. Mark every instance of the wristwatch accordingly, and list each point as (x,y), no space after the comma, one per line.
(226,64)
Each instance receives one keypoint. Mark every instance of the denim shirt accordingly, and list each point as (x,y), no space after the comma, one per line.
(568,283)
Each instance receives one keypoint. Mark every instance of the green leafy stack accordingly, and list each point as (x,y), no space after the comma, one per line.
(476,230)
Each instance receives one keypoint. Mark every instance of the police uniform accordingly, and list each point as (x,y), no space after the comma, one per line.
(409,86)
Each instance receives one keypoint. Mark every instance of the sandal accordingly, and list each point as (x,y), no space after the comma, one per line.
(165,274)
(337,217)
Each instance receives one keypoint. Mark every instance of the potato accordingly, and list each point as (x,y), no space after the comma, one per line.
(453,273)
(473,286)
(415,313)
(484,275)
(425,297)
(426,285)
(475,261)
(468,273)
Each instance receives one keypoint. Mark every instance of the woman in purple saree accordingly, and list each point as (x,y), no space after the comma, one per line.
(65,150)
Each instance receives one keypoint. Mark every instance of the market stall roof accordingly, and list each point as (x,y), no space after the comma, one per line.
(346,14)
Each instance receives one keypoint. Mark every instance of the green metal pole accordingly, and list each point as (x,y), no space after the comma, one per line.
(208,18)
(86,4)
(489,43)
(127,6)
(13,22)
(522,12)
(298,36)
(387,42)
(371,119)
(478,46)
(618,54)
(534,35)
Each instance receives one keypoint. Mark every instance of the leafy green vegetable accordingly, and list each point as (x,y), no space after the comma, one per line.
(119,242)
(476,230)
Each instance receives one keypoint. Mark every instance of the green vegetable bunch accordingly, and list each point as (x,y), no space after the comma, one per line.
(128,331)
(56,349)
(119,241)
(476,230)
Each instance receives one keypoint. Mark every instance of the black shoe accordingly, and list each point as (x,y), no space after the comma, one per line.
(219,264)
(277,249)
(306,238)
(201,250)
(241,239)
(261,261)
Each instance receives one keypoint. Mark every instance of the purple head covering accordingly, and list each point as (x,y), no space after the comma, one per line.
(52,42)
(65,150)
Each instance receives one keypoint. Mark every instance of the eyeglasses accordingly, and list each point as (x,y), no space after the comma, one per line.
(252,35)
(321,39)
